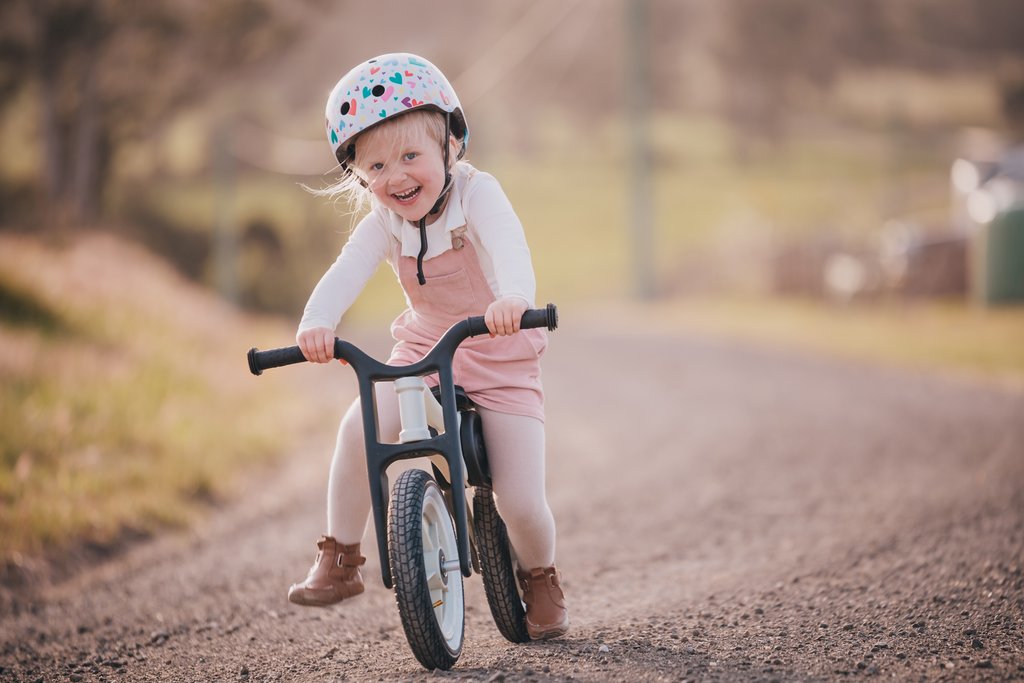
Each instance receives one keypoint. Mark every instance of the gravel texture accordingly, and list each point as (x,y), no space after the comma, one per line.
(726,513)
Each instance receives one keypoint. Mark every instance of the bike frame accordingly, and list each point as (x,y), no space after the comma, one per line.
(446,444)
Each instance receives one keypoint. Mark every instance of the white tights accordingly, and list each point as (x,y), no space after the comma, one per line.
(515,452)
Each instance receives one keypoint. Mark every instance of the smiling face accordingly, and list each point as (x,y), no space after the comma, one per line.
(402,162)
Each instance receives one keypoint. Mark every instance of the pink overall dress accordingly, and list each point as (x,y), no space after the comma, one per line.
(503,373)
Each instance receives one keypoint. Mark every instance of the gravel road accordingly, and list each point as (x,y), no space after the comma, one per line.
(726,512)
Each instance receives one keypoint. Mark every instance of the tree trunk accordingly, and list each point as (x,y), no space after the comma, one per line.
(85,181)
(52,134)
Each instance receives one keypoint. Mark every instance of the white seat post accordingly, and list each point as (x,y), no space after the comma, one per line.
(418,409)
(412,409)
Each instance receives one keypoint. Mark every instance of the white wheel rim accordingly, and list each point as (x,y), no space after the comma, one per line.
(445,590)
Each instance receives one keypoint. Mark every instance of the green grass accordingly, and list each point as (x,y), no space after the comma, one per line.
(929,336)
(128,418)
(88,452)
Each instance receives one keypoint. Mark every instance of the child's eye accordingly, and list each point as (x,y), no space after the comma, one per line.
(409,156)
(377,166)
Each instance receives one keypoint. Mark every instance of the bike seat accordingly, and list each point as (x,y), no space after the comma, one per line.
(462,400)
(474,452)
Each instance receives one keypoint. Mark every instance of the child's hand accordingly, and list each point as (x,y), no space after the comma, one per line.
(317,344)
(504,315)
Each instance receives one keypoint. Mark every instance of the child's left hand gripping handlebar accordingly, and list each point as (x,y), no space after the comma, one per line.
(470,327)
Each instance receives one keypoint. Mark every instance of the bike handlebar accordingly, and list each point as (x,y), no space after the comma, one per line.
(470,327)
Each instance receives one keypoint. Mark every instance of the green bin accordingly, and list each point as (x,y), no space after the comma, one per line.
(1004,257)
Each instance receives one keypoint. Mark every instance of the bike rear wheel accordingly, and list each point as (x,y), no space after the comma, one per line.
(498,569)
(424,559)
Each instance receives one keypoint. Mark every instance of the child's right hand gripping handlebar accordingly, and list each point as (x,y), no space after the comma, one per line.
(470,327)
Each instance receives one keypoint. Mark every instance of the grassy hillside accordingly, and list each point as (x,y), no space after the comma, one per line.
(125,401)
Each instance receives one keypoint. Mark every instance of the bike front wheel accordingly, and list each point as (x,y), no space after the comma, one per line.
(424,557)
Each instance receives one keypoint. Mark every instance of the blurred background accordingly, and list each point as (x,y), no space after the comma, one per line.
(782,146)
(848,173)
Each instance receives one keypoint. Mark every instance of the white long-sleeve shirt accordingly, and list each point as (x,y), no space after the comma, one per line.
(477,203)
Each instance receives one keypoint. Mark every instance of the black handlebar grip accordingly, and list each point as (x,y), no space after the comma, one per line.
(541,317)
(534,317)
(273,358)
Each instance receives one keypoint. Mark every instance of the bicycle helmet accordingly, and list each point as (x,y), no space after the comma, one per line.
(385,87)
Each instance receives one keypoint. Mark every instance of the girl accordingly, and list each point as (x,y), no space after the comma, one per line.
(458,249)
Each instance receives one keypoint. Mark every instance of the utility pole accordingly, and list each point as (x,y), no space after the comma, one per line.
(225,241)
(641,236)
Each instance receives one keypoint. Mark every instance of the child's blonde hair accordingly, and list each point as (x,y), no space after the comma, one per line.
(351,186)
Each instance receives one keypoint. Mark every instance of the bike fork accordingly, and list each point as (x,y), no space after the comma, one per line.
(419,410)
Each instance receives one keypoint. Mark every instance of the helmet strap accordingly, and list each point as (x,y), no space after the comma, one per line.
(438,204)
(447,173)
(423,250)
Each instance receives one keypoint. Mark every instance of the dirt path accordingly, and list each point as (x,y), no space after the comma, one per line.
(725,513)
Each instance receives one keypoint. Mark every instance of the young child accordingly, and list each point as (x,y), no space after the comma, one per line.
(458,249)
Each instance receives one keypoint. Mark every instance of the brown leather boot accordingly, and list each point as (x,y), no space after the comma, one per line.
(546,614)
(333,577)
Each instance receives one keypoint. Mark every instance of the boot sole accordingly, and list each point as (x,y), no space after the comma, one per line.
(304,602)
(308,601)
(549,633)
